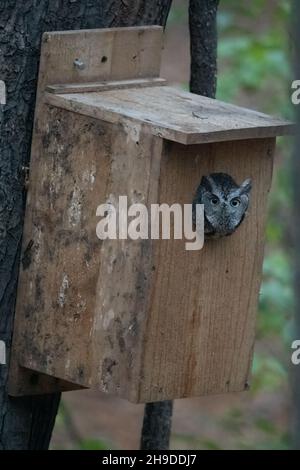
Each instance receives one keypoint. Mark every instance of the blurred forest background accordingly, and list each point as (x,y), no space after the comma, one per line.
(254,71)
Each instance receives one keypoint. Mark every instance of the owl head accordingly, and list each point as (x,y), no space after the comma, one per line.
(225,203)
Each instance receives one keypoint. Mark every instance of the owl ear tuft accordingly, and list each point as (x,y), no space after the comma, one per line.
(206,183)
(246,186)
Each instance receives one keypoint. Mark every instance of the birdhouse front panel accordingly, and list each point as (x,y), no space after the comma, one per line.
(145,318)
(203,303)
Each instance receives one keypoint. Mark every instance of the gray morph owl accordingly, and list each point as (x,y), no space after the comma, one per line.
(225,203)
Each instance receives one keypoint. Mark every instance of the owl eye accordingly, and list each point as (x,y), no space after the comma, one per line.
(235,202)
(214,200)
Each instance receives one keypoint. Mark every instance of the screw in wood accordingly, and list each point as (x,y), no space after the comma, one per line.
(79,64)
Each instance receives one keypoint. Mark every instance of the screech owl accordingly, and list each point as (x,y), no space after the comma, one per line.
(225,203)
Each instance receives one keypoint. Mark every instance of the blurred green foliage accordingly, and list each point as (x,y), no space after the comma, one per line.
(255,70)
(64,419)
(253,52)
(276,300)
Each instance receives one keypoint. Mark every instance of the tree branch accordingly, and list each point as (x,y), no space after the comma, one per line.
(203,32)
(157,426)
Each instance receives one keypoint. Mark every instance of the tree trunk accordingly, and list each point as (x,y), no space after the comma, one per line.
(296,224)
(26,423)
(203,31)
(157,426)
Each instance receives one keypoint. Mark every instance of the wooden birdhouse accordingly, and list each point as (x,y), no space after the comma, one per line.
(142,319)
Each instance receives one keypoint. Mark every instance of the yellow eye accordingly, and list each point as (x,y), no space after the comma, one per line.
(214,200)
(235,202)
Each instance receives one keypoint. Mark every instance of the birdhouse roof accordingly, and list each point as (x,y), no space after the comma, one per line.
(168,112)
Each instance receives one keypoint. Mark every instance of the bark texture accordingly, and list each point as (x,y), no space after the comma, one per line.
(203,31)
(157,426)
(26,423)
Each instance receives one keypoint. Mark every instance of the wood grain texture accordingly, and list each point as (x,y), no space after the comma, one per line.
(82,301)
(194,119)
(107,54)
(54,205)
(66,88)
(201,322)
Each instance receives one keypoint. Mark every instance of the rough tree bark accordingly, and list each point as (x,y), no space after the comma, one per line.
(26,423)
(296,225)
(203,34)
(157,426)
(203,31)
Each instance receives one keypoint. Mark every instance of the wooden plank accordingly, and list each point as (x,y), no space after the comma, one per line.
(50,233)
(194,119)
(107,54)
(70,323)
(54,315)
(201,323)
(66,88)
(27,382)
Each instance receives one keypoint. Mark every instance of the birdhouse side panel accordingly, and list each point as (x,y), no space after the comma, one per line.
(61,252)
(83,301)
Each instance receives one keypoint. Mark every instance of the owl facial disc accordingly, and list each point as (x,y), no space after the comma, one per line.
(225,203)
